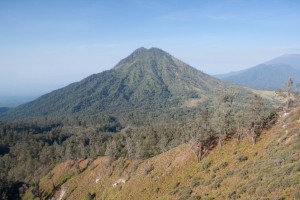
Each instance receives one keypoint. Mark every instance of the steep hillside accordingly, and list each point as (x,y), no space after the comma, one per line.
(147,81)
(269,169)
(271,75)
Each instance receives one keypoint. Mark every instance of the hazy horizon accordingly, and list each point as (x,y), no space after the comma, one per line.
(46,45)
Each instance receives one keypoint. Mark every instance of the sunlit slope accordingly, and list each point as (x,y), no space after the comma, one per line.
(240,170)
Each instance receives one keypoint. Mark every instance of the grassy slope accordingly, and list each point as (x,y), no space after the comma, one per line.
(272,170)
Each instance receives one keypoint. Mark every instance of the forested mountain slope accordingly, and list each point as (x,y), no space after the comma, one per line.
(147,81)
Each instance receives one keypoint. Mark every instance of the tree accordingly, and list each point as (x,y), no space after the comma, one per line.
(289,87)
(222,120)
(129,146)
(111,152)
(201,145)
(255,116)
(240,124)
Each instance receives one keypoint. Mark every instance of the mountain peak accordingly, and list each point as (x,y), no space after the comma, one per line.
(142,53)
(139,50)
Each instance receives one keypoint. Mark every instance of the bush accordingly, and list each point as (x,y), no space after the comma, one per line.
(215,169)
(232,195)
(195,184)
(223,165)
(148,169)
(244,174)
(157,190)
(206,164)
(228,173)
(185,193)
(197,181)
(215,185)
(242,158)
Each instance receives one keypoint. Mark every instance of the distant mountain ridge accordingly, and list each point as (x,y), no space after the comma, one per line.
(148,80)
(271,75)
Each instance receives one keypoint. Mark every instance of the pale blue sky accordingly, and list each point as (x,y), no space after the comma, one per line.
(45,45)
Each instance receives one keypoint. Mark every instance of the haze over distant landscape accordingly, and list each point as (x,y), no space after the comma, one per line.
(46,45)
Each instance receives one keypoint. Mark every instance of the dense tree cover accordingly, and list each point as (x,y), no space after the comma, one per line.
(29,149)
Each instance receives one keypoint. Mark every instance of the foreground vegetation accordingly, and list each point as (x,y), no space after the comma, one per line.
(29,149)
(270,169)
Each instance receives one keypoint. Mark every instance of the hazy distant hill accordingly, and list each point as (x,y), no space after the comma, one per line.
(3,109)
(271,75)
(147,81)
(15,100)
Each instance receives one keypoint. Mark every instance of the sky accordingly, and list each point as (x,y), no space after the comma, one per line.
(45,45)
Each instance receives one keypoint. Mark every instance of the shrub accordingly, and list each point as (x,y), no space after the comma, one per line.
(244,174)
(148,169)
(206,164)
(195,184)
(157,190)
(197,181)
(185,193)
(242,158)
(228,173)
(232,195)
(215,169)
(223,165)
(215,185)
(278,161)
